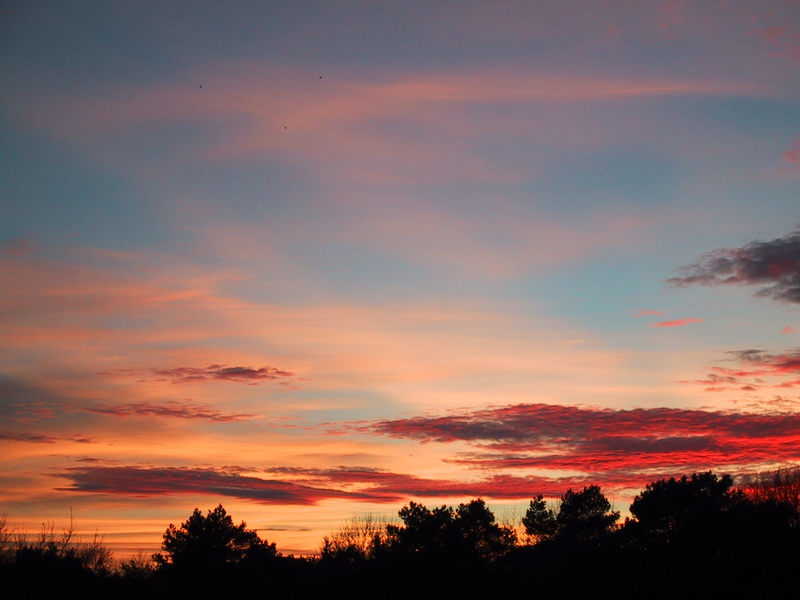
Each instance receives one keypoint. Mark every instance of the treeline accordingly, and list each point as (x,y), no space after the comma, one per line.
(697,536)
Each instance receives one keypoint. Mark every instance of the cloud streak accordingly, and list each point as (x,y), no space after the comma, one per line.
(179,410)
(309,486)
(676,323)
(41,438)
(238,374)
(773,264)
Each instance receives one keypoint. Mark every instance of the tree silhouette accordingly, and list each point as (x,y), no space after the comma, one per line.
(480,533)
(210,542)
(585,515)
(670,509)
(539,521)
(468,532)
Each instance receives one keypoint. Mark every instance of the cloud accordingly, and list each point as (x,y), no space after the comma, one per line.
(141,482)
(676,323)
(539,425)
(755,369)
(649,313)
(774,264)
(308,486)
(623,445)
(792,155)
(40,438)
(180,410)
(302,486)
(248,375)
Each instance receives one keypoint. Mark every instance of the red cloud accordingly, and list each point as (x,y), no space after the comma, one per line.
(627,444)
(676,323)
(757,369)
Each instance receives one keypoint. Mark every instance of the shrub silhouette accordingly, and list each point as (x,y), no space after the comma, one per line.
(355,541)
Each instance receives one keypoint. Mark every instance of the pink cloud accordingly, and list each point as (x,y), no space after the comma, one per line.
(676,323)
(792,155)
(756,370)
(337,127)
(647,313)
(788,329)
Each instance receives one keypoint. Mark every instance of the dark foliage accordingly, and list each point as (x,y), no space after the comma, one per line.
(211,542)
(539,521)
(696,536)
(585,516)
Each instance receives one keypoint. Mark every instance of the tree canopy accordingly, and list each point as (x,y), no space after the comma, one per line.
(468,531)
(211,541)
(584,515)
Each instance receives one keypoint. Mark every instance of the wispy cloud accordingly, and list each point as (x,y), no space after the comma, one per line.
(676,323)
(179,410)
(141,482)
(756,369)
(308,486)
(774,264)
(248,375)
(42,438)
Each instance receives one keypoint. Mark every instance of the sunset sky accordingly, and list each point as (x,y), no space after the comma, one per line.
(313,260)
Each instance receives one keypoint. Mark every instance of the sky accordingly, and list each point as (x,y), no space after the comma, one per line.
(313,260)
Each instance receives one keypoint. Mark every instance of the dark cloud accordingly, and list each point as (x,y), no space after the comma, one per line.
(143,482)
(22,402)
(239,374)
(179,410)
(306,486)
(41,438)
(775,265)
(537,424)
